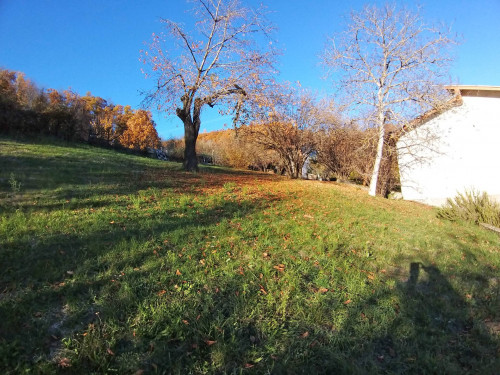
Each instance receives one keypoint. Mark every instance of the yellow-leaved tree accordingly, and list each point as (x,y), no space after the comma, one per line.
(140,132)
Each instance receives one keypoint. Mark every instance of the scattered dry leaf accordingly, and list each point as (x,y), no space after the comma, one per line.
(64,362)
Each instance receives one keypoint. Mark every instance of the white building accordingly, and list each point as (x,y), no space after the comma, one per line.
(454,150)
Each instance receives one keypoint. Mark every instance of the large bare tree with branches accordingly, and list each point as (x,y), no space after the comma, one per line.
(224,59)
(390,64)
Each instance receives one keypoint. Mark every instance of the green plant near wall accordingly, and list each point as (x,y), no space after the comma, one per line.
(473,206)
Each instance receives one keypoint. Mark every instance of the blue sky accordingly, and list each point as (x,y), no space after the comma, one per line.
(94,46)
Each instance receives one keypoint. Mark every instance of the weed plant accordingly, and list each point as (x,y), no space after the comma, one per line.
(114,263)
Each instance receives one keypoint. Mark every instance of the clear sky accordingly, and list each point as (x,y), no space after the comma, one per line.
(94,46)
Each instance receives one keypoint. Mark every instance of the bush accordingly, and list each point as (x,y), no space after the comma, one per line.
(471,206)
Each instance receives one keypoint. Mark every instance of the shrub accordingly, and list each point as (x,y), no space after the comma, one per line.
(471,206)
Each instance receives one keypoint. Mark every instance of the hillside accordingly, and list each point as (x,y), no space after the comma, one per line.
(118,263)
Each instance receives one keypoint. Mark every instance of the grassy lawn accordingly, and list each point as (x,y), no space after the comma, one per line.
(113,263)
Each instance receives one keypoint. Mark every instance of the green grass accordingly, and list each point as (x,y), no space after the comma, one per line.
(113,263)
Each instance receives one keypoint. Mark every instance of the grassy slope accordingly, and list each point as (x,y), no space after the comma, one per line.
(115,263)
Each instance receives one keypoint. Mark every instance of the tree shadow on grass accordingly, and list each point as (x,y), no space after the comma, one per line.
(78,181)
(431,329)
(420,326)
(40,277)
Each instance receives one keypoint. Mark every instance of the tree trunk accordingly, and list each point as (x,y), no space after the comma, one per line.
(191,130)
(379,155)
(190,137)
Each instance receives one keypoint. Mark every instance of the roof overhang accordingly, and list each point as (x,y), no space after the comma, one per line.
(475,90)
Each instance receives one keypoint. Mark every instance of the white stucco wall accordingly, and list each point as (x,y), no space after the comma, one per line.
(456,151)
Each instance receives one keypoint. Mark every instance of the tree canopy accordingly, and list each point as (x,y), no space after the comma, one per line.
(391,65)
(217,61)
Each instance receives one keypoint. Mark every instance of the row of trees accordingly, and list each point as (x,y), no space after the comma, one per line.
(27,109)
(304,134)
(388,64)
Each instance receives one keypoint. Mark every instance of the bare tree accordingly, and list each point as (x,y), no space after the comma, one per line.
(217,62)
(287,123)
(391,64)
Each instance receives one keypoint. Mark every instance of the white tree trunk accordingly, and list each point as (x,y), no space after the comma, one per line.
(378,157)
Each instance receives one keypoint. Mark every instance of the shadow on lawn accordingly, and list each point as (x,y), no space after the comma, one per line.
(35,284)
(432,330)
(421,325)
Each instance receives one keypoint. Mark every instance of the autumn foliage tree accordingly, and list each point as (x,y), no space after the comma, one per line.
(233,148)
(26,109)
(347,152)
(140,132)
(288,125)
(216,62)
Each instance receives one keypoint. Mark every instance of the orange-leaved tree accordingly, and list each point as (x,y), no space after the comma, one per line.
(288,125)
(140,132)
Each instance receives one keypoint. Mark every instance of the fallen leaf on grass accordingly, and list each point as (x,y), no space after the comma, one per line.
(279,267)
(178,273)
(305,334)
(248,365)
(347,302)
(210,342)
(64,362)
(109,351)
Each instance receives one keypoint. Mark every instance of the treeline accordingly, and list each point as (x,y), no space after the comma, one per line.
(25,109)
(338,151)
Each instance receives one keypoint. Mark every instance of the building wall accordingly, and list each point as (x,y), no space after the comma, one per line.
(456,151)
